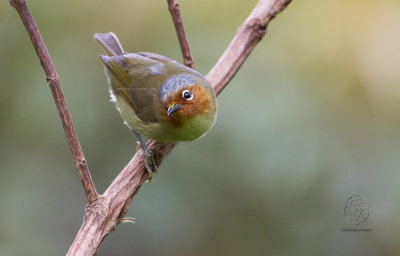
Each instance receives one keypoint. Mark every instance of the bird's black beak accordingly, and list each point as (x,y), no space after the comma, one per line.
(173,108)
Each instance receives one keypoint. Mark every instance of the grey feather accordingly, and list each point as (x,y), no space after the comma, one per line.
(175,83)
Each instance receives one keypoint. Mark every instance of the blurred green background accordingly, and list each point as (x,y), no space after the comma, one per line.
(311,118)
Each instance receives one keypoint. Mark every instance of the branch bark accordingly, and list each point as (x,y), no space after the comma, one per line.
(104,212)
(54,83)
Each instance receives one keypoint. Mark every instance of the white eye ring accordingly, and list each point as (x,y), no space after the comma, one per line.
(187,95)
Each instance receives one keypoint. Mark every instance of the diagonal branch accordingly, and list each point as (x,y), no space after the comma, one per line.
(105,212)
(58,95)
(173,7)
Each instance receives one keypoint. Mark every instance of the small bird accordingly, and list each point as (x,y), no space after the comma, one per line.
(156,96)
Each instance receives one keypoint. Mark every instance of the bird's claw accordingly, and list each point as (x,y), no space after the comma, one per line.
(150,165)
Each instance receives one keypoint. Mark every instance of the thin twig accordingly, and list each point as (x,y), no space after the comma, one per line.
(173,7)
(55,87)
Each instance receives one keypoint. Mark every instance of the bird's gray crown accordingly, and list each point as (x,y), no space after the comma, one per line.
(174,84)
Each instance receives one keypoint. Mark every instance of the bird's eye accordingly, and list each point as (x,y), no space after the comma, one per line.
(187,95)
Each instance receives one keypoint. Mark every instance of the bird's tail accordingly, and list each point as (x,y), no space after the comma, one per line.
(110,43)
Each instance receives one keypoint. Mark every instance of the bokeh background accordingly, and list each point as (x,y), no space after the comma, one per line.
(311,118)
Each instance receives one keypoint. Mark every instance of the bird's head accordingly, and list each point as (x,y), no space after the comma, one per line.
(186,97)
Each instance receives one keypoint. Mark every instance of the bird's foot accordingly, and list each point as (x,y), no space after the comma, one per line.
(150,164)
(127,220)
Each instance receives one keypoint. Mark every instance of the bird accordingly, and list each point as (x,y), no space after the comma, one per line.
(157,97)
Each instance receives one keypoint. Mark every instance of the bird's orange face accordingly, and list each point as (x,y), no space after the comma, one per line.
(185,103)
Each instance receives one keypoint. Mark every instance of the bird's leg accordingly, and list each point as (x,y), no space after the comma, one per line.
(150,164)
